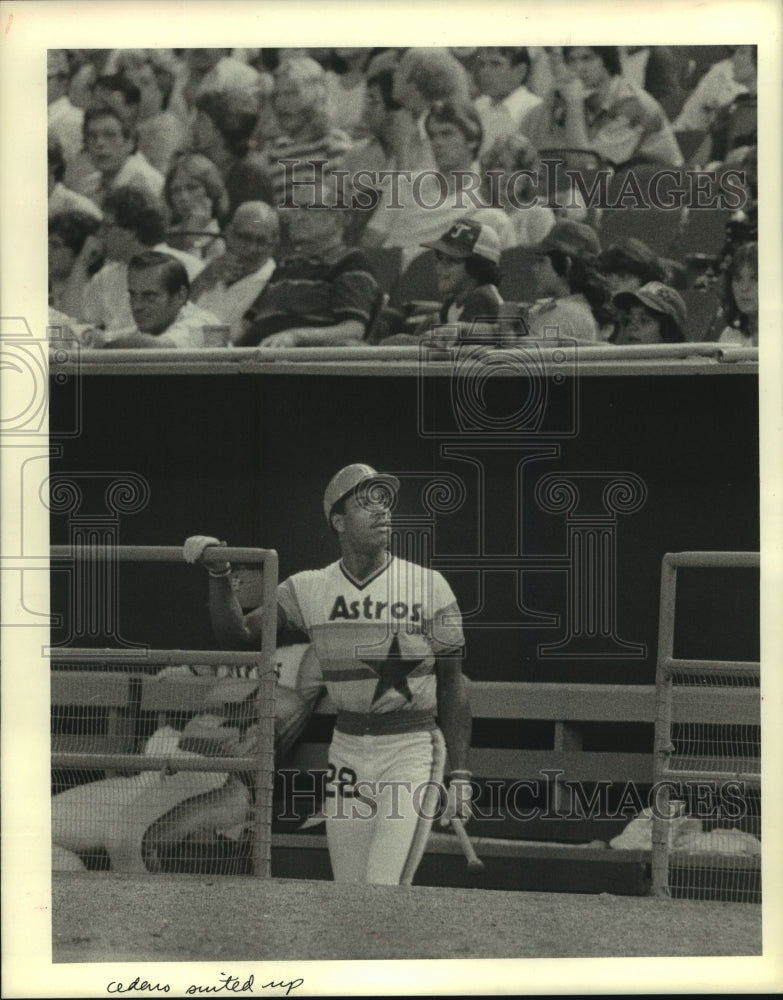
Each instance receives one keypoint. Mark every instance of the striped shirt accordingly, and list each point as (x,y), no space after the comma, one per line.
(313,292)
(376,640)
(329,148)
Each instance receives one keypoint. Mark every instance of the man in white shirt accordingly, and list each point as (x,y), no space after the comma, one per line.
(423,77)
(716,90)
(231,283)
(158,291)
(501,74)
(133,222)
(431,201)
(110,144)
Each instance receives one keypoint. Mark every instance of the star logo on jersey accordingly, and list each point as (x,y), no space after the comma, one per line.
(393,672)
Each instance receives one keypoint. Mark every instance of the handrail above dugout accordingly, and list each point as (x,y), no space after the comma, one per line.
(426,357)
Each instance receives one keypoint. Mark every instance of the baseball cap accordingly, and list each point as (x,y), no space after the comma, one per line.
(349,478)
(658,297)
(574,238)
(468,238)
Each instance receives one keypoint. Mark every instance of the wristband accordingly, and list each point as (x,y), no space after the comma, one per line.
(460,776)
(221,572)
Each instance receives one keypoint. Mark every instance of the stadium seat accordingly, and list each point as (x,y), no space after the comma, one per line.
(703,233)
(659,228)
(517,282)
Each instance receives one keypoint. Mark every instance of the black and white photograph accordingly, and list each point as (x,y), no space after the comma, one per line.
(391,498)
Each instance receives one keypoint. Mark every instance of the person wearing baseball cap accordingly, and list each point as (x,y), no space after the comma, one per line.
(375,486)
(467,257)
(654,314)
(630,263)
(576,239)
(387,638)
(574,301)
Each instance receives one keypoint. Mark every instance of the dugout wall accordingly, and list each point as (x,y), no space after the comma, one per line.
(246,458)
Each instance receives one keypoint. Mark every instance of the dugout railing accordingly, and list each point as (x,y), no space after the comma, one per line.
(364,359)
(722,759)
(119,697)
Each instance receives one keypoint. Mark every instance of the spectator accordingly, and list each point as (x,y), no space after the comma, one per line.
(376,153)
(661,70)
(158,292)
(501,74)
(548,69)
(626,266)
(324,295)
(736,126)
(715,90)
(198,202)
(512,188)
(230,284)
(110,145)
(67,234)
(435,200)
(222,131)
(597,109)
(654,314)
(133,222)
(578,303)
(212,71)
(423,77)
(629,264)
(118,93)
(86,66)
(161,133)
(60,197)
(741,298)
(467,267)
(345,89)
(306,133)
(64,119)
(107,91)
(467,257)
(466,56)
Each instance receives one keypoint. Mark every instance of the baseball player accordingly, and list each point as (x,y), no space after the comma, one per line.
(388,639)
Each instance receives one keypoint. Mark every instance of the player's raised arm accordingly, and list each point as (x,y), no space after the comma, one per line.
(231,626)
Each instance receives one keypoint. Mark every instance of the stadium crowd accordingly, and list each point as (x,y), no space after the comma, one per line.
(328,197)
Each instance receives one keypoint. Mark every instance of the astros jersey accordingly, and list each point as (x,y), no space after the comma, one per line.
(376,639)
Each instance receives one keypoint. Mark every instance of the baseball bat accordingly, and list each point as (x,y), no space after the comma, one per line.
(475,864)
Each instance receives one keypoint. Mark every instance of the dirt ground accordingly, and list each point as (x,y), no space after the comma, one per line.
(106,918)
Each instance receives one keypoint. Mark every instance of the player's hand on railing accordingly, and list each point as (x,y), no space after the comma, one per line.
(458,798)
(194,549)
